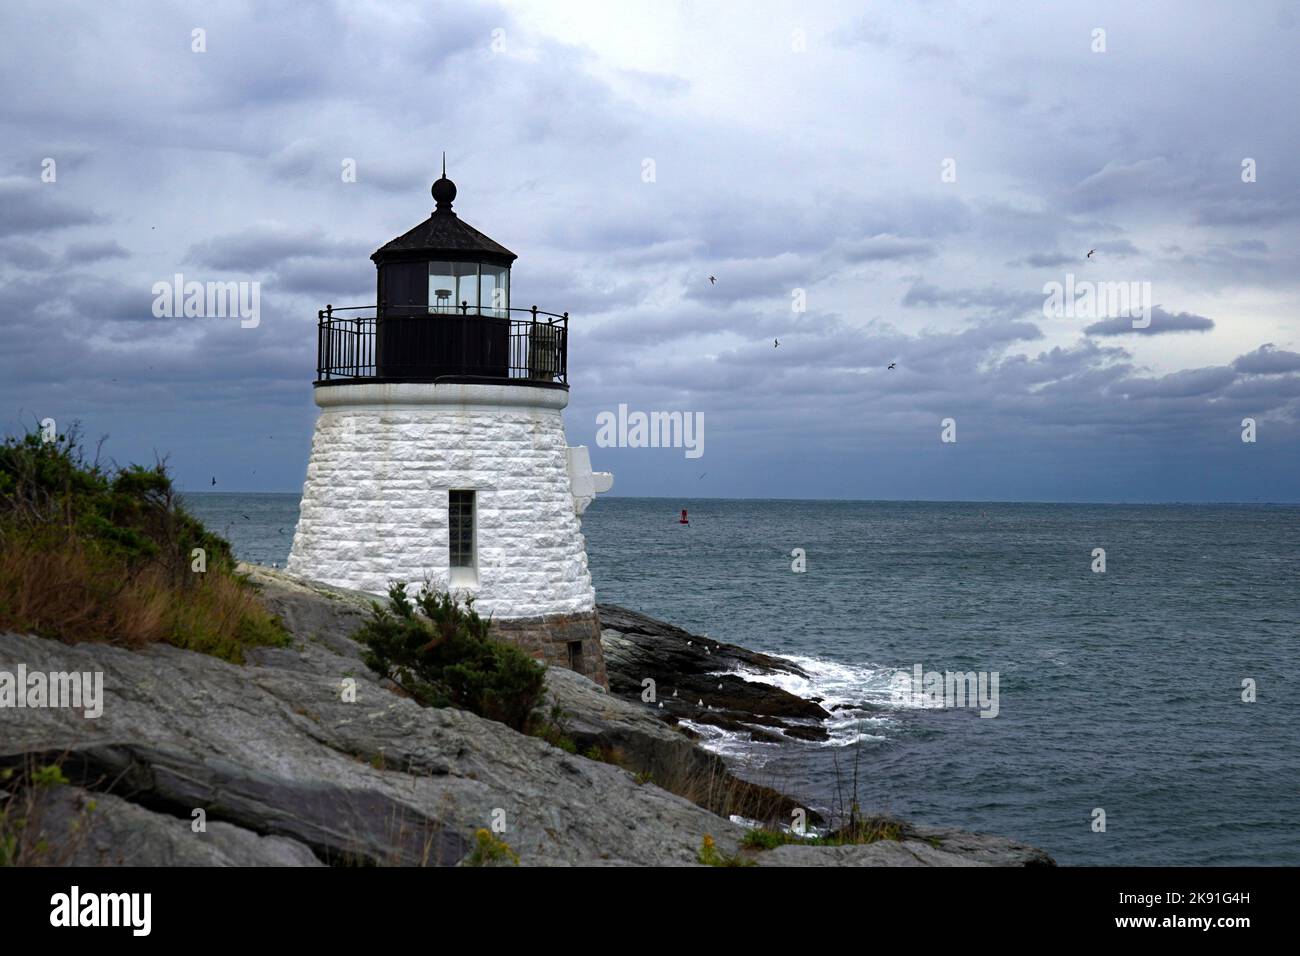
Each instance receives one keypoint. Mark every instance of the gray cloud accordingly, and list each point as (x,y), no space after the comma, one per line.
(85,253)
(1117,248)
(1002,301)
(269,245)
(1267,360)
(1161,323)
(1189,383)
(884,248)
(1045,260)
(31,206)
(775,170)
(21,254)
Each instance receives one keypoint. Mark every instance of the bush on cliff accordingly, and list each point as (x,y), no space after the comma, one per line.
(439,651)
(96,553)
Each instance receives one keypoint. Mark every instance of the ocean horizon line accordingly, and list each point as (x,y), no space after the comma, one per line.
(889,501)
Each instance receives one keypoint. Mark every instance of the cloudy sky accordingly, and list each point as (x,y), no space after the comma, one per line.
(918,173)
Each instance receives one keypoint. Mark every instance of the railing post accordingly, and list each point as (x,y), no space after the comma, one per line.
(329,339)
(320,332)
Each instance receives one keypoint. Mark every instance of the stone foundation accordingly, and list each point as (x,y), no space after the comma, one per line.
(561,640)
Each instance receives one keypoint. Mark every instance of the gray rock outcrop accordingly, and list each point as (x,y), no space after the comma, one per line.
(288,772)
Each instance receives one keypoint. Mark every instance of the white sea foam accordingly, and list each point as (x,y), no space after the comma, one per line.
(838,683)
(727,743)
(846,685)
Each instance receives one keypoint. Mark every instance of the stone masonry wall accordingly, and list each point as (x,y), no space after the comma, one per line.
(549,638)
(374,505)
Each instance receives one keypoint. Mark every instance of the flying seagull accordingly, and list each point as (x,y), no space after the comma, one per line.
(712,280)
(892,364)
(776,343)
(1090,252)
(214,480)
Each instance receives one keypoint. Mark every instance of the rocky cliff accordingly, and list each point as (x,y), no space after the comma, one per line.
(287,770)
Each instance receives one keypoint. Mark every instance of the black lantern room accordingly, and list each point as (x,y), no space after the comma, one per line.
(443,313)
(444,266)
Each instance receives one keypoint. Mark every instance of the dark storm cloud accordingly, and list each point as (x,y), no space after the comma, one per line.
(1268,360)
(268,246)
(21,254)
(776,172)
(352,278)
(30,206)
(1161,322)
(1196,382)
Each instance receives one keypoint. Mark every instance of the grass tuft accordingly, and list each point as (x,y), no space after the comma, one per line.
(96,553)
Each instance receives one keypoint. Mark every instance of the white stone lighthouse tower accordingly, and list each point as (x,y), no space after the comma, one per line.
(439,454)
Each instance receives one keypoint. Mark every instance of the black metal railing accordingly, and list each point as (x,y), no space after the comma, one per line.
(388,344)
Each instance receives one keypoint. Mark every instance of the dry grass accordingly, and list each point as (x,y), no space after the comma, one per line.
(683,769)
(95,553)
(63,588)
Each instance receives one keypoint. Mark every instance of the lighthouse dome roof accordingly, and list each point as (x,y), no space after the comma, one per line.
(444,235)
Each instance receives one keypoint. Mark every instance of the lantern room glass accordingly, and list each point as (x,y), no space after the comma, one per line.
(450,284)
(482,287)
(494,290)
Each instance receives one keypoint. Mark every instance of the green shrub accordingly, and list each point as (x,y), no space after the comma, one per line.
(708,855)
(439,651)
(761,838)
(554,729)
(859,830)
(490,850)
(90,553)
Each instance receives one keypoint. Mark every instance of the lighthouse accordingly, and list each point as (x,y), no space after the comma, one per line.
(439,452)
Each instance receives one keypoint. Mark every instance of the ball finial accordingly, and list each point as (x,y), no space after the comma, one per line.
(444,190)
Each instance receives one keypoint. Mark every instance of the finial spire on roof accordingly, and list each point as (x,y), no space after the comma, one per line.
(444,190)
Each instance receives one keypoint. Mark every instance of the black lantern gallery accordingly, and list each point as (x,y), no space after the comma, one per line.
(442,314)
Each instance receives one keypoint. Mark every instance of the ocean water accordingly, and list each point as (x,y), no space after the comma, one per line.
(1119,691)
